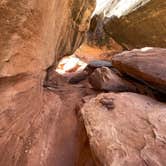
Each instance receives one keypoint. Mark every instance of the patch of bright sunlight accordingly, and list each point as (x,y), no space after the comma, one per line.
(146,49)
(117,7)
(70,64)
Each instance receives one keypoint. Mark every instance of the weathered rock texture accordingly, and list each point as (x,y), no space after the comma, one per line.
(126,129)
(147,65)
(33,35)
(133,24)
(106,79)
(34,32)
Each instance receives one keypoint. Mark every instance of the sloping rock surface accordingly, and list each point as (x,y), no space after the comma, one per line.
(34,34)
(133,24)
(147,65)
(106,79)
(126,129)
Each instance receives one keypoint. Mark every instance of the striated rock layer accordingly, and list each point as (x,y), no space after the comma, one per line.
(126,129)
(33,35)
(147,65)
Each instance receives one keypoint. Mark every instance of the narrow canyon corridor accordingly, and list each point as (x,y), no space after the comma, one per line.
(83,83)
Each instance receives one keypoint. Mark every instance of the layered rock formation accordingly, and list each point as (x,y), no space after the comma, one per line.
(146,65)
(126,129)
(33,35)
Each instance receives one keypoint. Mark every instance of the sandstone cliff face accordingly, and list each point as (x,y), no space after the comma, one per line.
(33,35)
(134,24)
(34,32)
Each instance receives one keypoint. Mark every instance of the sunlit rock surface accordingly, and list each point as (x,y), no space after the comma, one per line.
(117,8)
(36,33)
(70,64)
(133,24)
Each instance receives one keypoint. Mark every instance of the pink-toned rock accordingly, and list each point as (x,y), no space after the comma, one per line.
(35,128)
(35,34)
(126,129)
(147,65)
(106,79)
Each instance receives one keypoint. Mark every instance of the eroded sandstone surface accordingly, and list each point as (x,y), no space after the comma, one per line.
(34,35)
(107,80)
(40,118)
(126,129)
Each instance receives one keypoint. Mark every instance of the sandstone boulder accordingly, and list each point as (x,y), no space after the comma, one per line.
(147,65)
(106,79)
(126,129)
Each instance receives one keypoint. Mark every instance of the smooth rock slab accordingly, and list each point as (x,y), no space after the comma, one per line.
(99,63)
(126,129)
(147,65)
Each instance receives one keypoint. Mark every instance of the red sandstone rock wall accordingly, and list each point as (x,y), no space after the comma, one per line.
(33,34)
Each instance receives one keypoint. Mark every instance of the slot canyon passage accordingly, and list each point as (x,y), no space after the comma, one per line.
(82,83)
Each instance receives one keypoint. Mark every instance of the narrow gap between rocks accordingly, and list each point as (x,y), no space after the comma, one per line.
(90,71)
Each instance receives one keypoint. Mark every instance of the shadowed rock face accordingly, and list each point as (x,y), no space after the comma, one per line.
(132,28)
(33,35)
(126,129)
